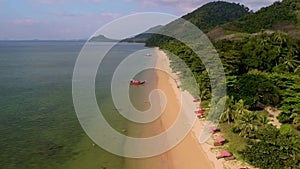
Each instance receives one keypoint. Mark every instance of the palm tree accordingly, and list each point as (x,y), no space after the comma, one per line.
(291,62)
(233,110)
(280,38)
(204,91)
(297,70)
(247,124)
(229,112)
(295,116)
(240,108)
(262,120)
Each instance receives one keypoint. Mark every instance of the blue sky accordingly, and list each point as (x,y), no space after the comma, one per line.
(77,19)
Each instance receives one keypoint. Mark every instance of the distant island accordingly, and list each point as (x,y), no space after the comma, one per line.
(102,38)
(140,38)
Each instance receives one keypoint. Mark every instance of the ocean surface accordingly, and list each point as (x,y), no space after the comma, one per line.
(38,125)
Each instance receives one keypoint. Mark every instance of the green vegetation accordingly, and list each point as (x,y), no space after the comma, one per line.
(143,37)
(262,69)
(216,13)
(279,16)
(206,18)
(274,148)
(234,143)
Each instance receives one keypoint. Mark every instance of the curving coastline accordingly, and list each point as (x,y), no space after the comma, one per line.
(188,154)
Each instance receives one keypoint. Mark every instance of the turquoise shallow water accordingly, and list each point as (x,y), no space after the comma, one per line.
(38,124)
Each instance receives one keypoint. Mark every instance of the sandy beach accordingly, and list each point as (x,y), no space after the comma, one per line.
(188,154)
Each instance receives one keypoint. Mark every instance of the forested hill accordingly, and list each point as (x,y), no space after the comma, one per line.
(283,16)
(223,20)
(206,18)
(216,13)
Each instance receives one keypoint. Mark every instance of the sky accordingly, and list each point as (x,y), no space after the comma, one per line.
(79,19)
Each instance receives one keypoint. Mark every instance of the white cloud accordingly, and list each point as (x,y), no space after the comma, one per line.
(65,1)
(23,22)
(98,16)
(111,15)
(62,14)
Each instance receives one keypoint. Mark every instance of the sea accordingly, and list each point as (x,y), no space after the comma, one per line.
(39,128)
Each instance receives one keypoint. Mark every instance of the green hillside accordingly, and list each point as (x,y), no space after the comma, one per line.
(206,18)
(143,37)
(216,13)
(284,16)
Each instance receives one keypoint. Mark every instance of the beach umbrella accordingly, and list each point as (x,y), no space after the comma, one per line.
(213,128)
(220,139)
(196,99)
(225,153)
(201,112)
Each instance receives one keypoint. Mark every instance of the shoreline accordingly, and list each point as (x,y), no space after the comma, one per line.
(188,154)
(207,149)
